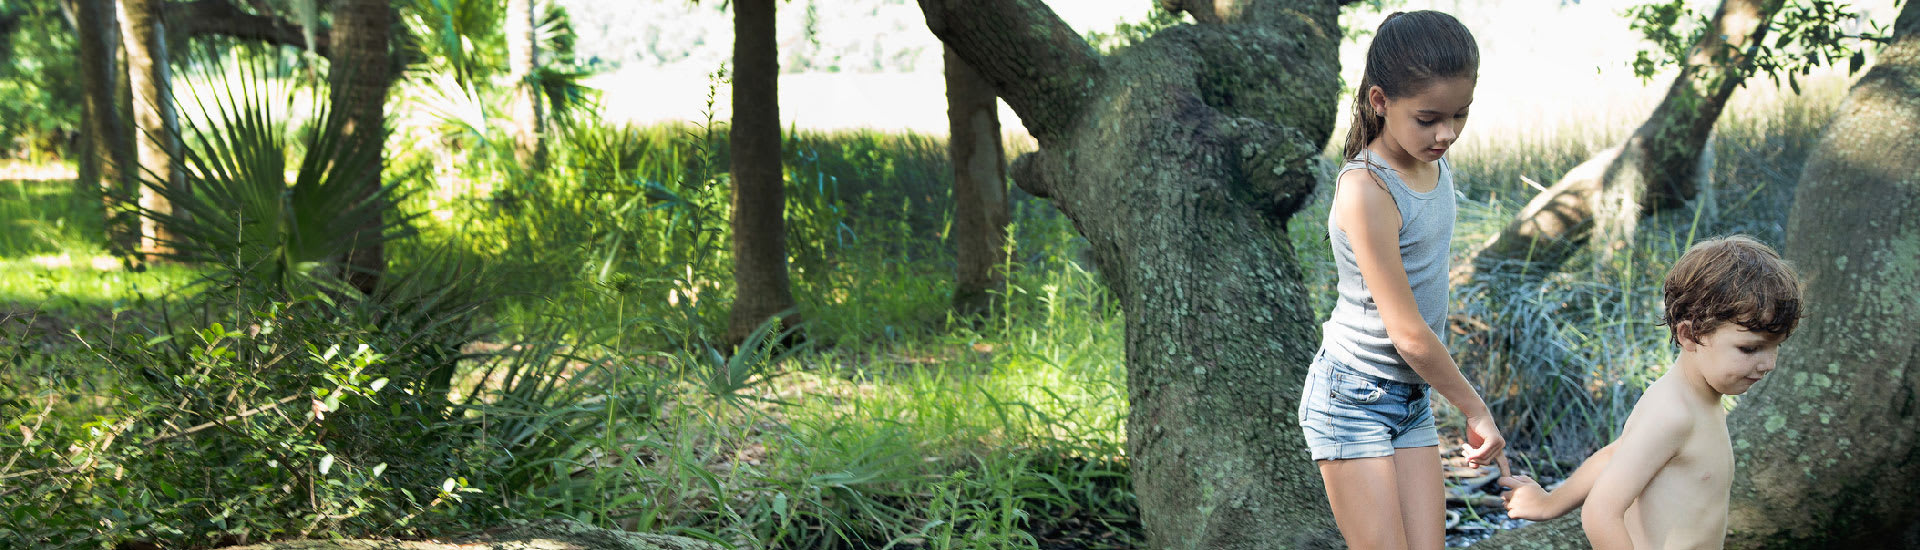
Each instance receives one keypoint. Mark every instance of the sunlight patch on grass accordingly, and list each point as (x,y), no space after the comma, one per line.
(61,282)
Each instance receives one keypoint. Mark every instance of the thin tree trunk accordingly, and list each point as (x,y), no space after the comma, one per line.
(528,116)
(87,36)
(1181,159)
(359,76)
(762,289)
(157,135)
(1659,167)
(1826,448)
(107,159)
(979,188)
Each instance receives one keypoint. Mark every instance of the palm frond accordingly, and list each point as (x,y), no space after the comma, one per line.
(242,210)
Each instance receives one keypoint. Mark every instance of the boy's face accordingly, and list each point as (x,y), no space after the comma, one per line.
(1732,358)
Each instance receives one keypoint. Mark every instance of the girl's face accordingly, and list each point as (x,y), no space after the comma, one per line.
(1427,123)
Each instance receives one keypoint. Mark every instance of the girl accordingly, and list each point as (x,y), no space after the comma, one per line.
(1365,404)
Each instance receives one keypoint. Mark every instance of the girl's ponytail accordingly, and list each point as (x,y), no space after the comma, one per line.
(1366,123)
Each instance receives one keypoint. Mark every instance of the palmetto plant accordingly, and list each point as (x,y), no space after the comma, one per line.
(463,39)
(274,195)
(461,36)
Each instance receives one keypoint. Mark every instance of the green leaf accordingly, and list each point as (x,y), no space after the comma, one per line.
(377,384)
(446,486)
(326,463)
(1854,63)
(379,469)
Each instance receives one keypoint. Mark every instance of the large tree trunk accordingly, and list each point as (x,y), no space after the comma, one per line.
(359,75)
(157,127)
(1825,446)
(529,129)
(979,188)
(1180,159)
(1659,166)
(761,287)
(106,157)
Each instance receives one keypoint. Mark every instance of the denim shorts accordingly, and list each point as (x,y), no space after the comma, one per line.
(1349,414)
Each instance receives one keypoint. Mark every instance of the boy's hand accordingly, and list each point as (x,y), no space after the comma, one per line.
(1525,499)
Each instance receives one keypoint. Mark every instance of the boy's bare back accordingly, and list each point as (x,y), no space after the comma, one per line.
(1664,483)
(1683,505)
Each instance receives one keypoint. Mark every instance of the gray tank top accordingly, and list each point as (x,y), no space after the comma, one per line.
(1354,335)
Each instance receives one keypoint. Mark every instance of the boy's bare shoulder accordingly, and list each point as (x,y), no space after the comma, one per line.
(1663,412)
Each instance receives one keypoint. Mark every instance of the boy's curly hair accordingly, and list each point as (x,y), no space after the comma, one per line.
(1732,279)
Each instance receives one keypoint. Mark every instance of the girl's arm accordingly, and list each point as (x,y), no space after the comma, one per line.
(1367,213)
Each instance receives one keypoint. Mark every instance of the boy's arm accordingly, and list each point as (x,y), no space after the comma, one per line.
(1645,447)
(1526,500)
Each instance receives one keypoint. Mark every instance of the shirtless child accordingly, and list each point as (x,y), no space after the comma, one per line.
(1663,484)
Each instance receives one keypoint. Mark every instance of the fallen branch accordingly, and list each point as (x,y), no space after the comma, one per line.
(228,418)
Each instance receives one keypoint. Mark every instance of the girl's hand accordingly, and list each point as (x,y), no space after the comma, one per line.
(1485,444)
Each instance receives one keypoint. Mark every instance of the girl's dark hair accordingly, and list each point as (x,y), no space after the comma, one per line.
(1409,50)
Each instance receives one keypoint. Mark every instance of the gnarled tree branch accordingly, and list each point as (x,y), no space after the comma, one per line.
(1658,167)
(1044,70)
(1030,177)
(1239,64)
(1276,163)
(223,18)
(1257,12)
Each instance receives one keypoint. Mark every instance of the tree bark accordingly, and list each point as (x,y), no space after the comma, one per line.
(1825,447)
(107,159)
(1556,534)
(157,127)
(979,189)
(529,129)
(359,76)
(1827,443)
(1659,167)
(761,287)
(1180,159)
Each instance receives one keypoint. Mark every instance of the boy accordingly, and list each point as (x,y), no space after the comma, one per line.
(1730,302)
